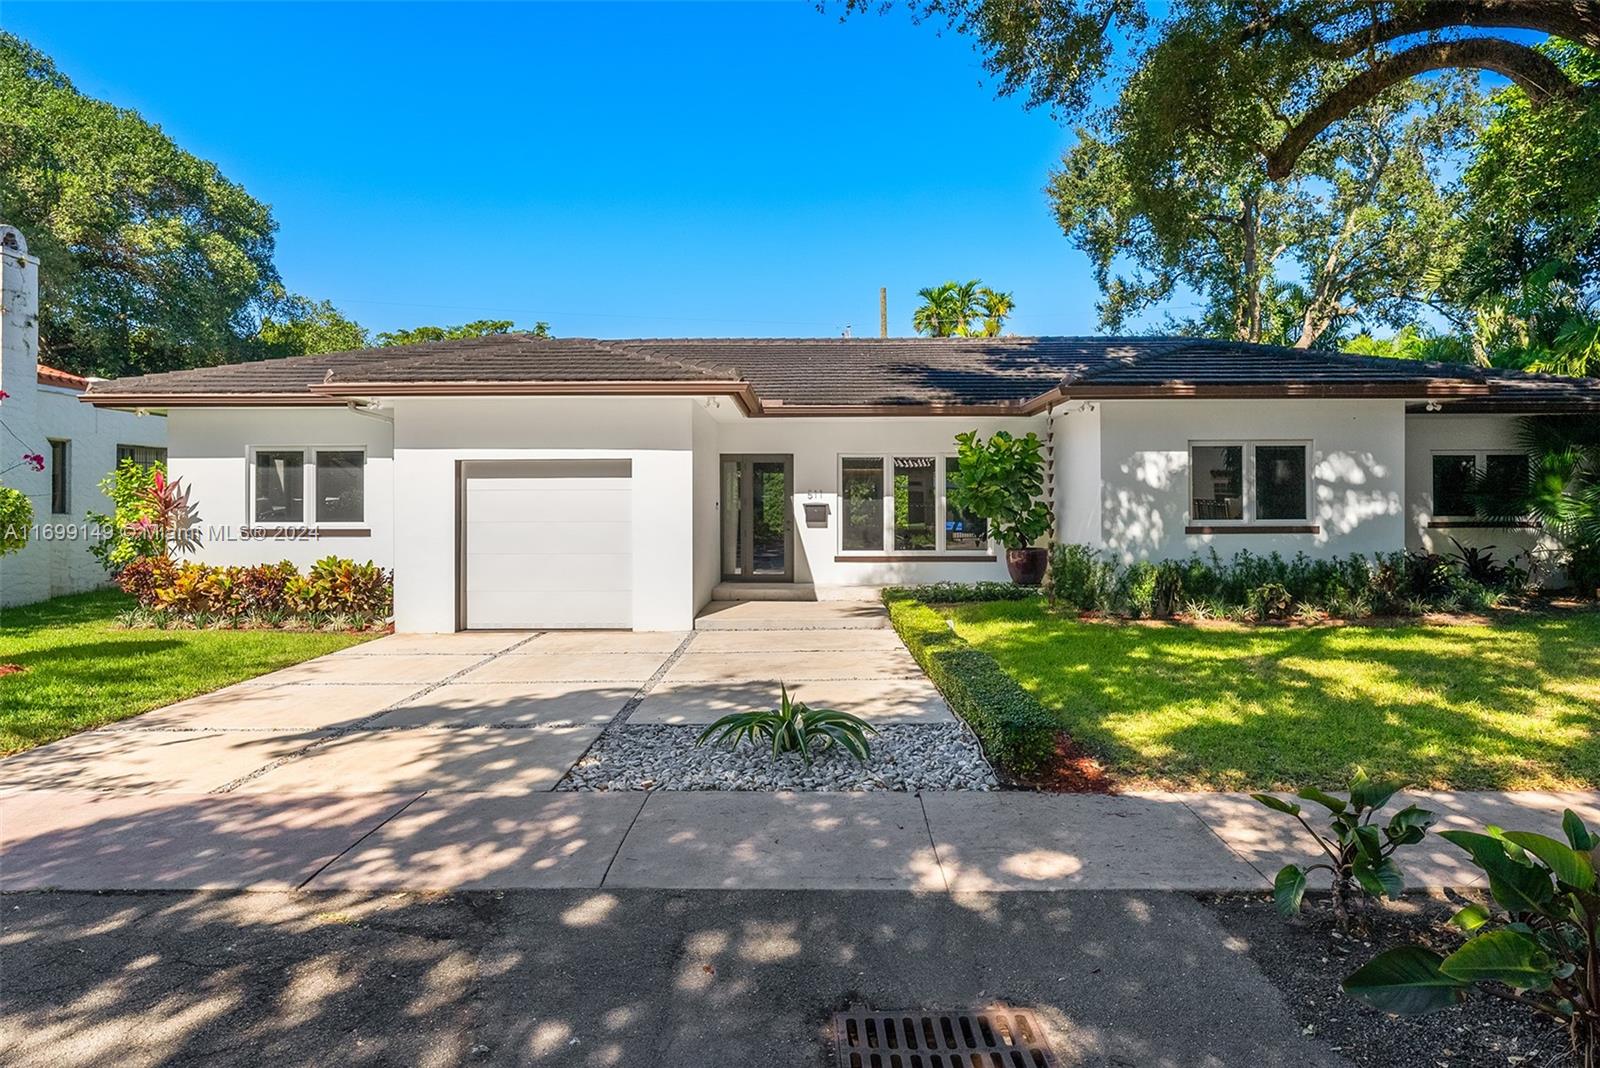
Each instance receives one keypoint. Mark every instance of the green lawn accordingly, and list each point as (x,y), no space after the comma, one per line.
(81,670)
(1507,705)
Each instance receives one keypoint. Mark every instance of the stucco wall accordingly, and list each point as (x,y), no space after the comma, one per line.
(56,559)
(432,434)
(707,533)
(818,444)
(209,449)
(1358,473)
(1077,454)
(1427,434)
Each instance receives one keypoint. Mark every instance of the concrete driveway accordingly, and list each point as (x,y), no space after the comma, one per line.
(492,713)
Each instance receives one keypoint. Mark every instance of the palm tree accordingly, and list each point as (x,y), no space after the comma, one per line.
(939,315)
(966,298)
(997,307)
(948,310)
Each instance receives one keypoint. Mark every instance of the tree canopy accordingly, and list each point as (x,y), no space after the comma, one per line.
(1272,74)
(150,259)
(1355,237)
(476,328)
(150,254)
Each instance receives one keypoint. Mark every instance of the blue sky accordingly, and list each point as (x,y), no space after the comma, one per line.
(618,170)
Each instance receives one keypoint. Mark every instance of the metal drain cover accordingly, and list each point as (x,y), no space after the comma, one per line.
(996,1037)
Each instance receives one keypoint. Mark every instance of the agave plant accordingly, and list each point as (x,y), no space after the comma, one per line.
(793,727)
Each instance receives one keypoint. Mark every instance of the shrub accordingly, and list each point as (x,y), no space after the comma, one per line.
(1538,947)
(1251,586)
(129,532)
(145,576)
(1016,731)
(1136,589)
(1270,600)
(1359,853)
(793,727)
(264,594)
(335,585)
(1080,578)
(964,592)
(1167,590)
(16,517)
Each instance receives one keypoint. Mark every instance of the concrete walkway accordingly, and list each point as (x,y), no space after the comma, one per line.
(933,843)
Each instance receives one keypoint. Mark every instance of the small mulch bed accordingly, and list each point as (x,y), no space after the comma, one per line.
(1306,958)
(1071,771)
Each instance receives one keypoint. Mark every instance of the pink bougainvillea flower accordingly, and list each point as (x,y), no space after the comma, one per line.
(33,460)
(4,394)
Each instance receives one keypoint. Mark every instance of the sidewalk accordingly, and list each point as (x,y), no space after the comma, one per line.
(934,843)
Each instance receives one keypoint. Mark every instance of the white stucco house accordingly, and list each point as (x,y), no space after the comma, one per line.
(81,444)
(515,481)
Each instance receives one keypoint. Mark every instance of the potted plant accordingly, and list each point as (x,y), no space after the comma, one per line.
(1002,480)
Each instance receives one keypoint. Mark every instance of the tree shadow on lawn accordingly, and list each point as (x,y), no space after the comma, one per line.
(1468,707)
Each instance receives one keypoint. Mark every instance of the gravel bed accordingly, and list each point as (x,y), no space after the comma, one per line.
(904,757)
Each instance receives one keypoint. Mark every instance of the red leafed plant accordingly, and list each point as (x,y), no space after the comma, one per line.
(171,514)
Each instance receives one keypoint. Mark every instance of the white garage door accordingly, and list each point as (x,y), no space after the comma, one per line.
(548,544)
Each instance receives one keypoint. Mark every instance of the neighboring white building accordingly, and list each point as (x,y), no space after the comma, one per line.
(80,444)
(514,481)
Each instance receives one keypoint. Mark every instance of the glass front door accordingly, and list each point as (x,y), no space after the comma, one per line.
(757,518)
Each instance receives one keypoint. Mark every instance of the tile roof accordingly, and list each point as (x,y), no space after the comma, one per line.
(53,376)
(856,372)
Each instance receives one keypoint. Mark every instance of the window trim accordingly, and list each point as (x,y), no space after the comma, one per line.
(65,469)
(308,469)
(1480,462)
(129,447)
(1248,504)
(940,551)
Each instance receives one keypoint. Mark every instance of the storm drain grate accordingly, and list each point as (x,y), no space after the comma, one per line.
(997,1037)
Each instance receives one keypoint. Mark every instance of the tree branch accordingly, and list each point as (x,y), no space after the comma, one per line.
(1576,20)
(1535,73)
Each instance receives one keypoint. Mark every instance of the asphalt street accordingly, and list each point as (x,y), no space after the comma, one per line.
(646,978)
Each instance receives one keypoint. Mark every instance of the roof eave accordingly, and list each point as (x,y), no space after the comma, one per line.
(1277,390)
(208,400)
(742,392)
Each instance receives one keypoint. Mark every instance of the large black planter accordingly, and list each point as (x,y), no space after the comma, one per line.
(1027,565)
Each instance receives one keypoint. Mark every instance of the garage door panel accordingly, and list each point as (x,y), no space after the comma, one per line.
(523,573)
(548,539)
(496,609)
(548,544)
(558,505)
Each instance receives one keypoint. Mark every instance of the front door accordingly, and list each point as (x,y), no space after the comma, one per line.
(757,518)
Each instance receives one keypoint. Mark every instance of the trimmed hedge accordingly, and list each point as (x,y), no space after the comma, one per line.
(964,592)
(1016,731)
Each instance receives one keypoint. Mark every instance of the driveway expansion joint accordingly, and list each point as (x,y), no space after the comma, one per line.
(331,861)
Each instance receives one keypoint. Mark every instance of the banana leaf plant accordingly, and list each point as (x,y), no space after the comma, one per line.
(1359,852)
(1536,946)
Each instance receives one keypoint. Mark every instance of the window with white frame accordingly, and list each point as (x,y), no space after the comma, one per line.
(1244,482)
(901,504)
(1462,477)
(283,480)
